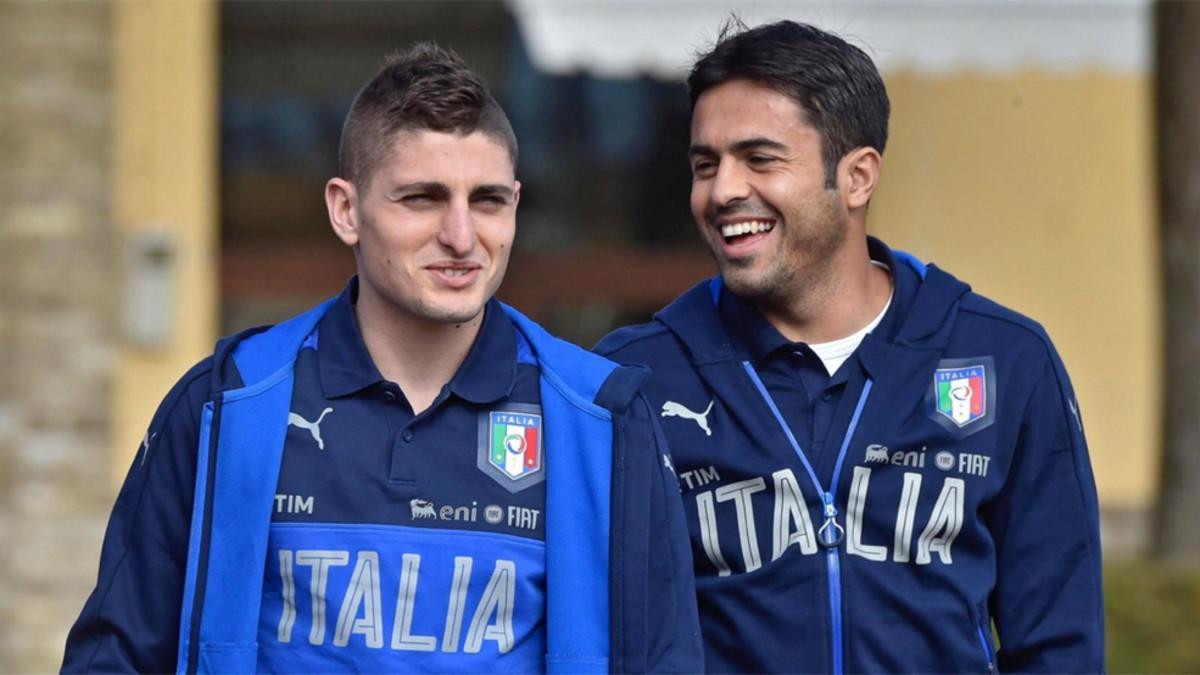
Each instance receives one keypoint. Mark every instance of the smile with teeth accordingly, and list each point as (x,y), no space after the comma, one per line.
(750,227)
(455,271)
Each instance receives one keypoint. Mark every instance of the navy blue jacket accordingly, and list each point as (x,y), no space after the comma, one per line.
(955,493)
(172,593)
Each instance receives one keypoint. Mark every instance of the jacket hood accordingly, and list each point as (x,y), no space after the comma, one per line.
(932,309)
(232,370)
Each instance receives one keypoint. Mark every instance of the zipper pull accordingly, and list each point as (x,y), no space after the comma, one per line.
(830,534)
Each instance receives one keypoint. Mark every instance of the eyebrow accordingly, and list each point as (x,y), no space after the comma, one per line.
(493,191)
(433,189)
(442,191)
(755,143)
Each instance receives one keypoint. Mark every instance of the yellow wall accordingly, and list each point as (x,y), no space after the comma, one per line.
(164,154)
(1038,190)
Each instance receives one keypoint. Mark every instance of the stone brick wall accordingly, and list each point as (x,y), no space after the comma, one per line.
(58,292)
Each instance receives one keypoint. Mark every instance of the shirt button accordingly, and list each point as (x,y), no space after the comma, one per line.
(389,396)
(826,397)
(407,435)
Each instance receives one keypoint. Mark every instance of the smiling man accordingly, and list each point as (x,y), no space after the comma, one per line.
(411,477)
(880,467)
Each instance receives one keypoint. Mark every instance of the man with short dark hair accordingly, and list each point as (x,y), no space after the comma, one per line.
(411,476)
(880,467)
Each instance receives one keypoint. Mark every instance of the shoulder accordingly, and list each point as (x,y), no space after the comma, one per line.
(645,344)
(628,337)
(980,316)
(1024,355)
(189,393)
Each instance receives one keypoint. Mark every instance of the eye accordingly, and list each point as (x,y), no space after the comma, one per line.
(491,201)
(703,168)
(760,160)
(417,199)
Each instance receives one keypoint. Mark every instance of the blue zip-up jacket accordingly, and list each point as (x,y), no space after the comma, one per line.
(173,592)
(955,493)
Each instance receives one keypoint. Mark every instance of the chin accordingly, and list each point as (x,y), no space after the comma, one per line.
(451,312)
(741,279)
(753,284)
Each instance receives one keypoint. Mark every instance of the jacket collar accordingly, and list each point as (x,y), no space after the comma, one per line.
(921,316)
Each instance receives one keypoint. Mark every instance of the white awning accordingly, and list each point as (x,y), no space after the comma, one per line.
(623,38)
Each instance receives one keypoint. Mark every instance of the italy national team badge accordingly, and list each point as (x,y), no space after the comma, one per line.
(963,395)
(511,446)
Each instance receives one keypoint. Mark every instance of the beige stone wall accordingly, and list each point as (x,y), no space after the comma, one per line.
(164,183)
(57,332)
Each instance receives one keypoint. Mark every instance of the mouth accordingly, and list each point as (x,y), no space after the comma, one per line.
(455,274)
(744,234)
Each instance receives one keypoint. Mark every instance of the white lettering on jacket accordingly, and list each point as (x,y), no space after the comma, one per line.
(792,523)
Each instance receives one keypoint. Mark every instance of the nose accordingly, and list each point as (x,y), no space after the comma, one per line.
(457,232)
(729,185)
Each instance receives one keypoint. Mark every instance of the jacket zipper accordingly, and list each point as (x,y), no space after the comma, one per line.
(830,538)
(987,649)
(831,533)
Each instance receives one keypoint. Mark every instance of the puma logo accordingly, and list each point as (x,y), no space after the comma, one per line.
(421,509)
(314,428)
(146,444)
(673,409)
(877,453)
(1075,412)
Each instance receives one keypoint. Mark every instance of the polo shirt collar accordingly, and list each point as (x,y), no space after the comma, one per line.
(748,327)
(760,339)
(345,364)
(487,374)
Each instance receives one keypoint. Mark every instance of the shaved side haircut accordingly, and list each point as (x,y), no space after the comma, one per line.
(424,87)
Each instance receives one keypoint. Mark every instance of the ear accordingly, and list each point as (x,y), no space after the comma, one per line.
(341,200)
(516,193)
(858,175)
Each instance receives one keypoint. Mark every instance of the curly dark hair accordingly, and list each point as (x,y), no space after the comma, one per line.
(424,87)
(835,83)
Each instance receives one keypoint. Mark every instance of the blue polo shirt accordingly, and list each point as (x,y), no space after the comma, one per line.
(404,541)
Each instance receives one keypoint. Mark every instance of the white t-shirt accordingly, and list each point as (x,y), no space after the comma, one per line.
(835,352)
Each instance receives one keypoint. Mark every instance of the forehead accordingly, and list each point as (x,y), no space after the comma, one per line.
(424,155)
(741,109)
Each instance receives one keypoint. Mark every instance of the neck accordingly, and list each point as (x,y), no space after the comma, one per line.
(833,301)
(419,355)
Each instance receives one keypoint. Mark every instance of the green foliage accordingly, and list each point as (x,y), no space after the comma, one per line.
(1153,616)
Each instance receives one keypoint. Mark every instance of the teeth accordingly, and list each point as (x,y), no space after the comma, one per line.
(751,227)
(454,271)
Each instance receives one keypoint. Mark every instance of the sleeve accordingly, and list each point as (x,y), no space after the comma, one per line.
(130,623)
(1048,605)
(661,631)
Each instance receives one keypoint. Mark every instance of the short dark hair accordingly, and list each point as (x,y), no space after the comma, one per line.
(424,87)
(835,83)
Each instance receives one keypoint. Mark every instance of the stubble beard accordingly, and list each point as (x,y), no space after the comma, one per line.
(797,279)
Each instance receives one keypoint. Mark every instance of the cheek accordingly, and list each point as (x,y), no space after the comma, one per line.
(698,201)
(387,250)
(497,235)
